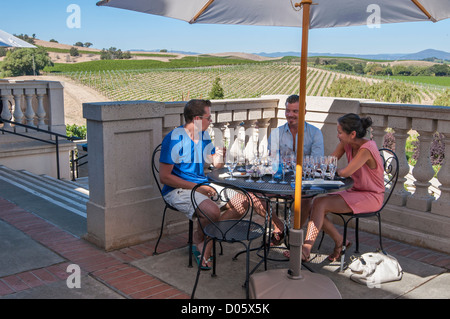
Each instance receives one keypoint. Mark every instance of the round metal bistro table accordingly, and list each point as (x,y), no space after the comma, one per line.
(281,193)
(309,188)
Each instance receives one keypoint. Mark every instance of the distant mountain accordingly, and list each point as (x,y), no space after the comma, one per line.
(159,51)
(429,53)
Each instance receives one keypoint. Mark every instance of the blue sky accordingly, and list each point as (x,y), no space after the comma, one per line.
(126,30)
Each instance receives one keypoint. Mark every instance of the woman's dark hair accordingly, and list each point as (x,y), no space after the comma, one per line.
(195,107)
(352,122)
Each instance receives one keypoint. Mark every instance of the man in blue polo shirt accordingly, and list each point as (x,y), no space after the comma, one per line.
(184,152)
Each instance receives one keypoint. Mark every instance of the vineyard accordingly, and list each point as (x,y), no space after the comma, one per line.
(237,81)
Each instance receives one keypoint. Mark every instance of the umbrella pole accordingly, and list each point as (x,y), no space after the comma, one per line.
(297,233)
(290,284)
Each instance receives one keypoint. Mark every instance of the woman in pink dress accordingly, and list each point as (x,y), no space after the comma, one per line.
(367,194)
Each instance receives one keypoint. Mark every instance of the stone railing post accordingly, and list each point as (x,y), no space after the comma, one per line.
(442,205)
(55,113)
(423,171)
(125,206)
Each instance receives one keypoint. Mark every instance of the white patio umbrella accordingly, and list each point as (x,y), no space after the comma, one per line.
(292,13)
(8,40)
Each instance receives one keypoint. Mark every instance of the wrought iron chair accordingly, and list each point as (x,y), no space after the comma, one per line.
(243,230)
(155,171)
(391,169)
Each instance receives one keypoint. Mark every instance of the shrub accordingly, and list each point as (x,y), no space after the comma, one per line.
(216,92)
(76,130)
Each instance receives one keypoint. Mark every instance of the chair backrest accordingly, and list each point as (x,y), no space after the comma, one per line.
(155,167)
(224,230)
(391,171)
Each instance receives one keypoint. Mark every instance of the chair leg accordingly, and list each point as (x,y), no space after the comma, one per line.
(379,232)
(357,235)
(247,272)
(343,245)
(191,235)
(199,269)
(214,258)
(160,232)
(321,240)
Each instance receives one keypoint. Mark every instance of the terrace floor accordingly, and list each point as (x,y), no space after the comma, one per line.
(36,254)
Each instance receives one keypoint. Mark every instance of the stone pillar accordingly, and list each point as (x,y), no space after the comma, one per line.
(125,206)
(55,114)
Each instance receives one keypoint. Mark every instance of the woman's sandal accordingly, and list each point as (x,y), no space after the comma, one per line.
(305,258)
(337,254)
(197,256)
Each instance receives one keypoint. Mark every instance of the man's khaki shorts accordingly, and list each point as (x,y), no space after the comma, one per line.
(180,198)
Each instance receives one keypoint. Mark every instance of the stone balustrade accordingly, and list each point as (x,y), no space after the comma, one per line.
(38,104)
(34,103)
(125,205)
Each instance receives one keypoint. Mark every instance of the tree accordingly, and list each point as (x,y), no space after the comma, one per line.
(25,61)
(79,44)
(440,69)
(74,52)
(216,92)
(87,44)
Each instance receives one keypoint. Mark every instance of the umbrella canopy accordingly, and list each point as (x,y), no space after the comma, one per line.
(8,40)
(292,13)
(326,14)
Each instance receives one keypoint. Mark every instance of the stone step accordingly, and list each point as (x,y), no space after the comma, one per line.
(64,193)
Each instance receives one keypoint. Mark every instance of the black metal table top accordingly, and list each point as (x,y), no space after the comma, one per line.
(308,189)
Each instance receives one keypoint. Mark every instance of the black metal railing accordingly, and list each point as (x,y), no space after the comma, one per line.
(48,141)
(75,162)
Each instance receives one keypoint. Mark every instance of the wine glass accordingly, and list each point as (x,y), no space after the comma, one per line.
(259,168)
(249,169)
(272,163)
(285,167)
(231,165)
(323,165)
(306,167)
(332,166)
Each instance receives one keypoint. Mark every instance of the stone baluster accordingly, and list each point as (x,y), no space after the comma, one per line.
(263,131)
(378,129)
(235,141)
(6,112)
(442,205)
(18,114)
(251,139)
(423,171)
(402,125)
(29,112)
(40,110)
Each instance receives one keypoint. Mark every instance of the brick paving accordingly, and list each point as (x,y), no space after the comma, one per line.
(114,269)
(111,268)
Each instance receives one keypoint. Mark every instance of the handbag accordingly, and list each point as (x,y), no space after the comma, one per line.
(375,268)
